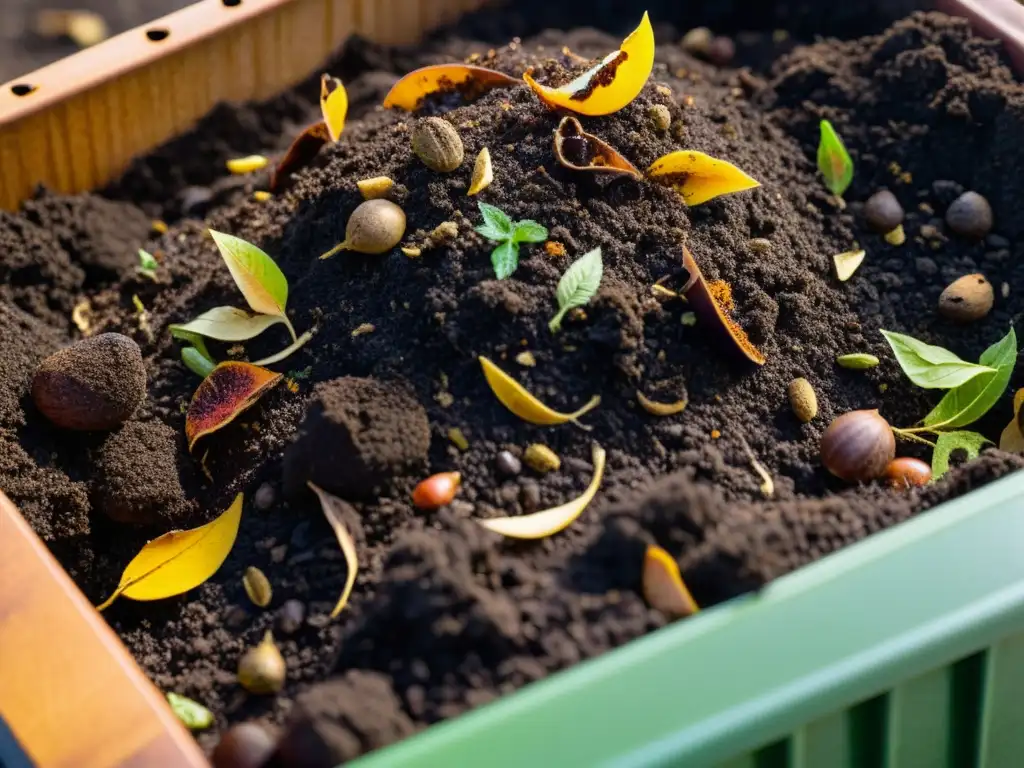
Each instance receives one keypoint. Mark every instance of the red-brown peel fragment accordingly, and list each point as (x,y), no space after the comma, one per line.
(581,151)
(304,149)
(231,388)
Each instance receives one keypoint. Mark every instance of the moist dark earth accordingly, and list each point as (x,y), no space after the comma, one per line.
(446,616)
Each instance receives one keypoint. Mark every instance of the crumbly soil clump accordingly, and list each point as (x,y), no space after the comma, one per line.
(446,616)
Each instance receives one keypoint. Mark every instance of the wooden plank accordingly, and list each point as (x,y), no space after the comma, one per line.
(70,693)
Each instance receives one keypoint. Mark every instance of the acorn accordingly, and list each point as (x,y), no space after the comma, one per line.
(262,669)
(374,227)
(95,384)
(437,490)
(970,215)
(967,298)
(245,745)
(906,472)
(858,446)
(437,144)
(884,214)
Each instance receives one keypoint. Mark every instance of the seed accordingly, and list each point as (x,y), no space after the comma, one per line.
(660,117)
(245,745)
(257,587)
(541,458)
(967,298)
(291,616)
(970,215)
(526,359)
(857,361)
(264,498)
(907,472)
(483,173)
(697,41)
(261,196)
(858,446)
(507,464)
(375,188)
(374,227)
(250,164)
(688,319)
(803,400)
(437,144)
(458,438)
(883,212)
(262,669)
(760,245)
(437,490)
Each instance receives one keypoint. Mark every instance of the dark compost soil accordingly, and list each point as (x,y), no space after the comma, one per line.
(446,616)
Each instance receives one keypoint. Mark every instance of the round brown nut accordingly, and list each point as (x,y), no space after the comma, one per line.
(883,212)
(970,215)
(967,299)
(95,384)
(245,745)
(437,144)
(803,400)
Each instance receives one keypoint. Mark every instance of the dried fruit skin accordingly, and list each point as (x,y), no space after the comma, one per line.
(437,144)
(967,299)
(231,388)
(471,82)
(803,399)
(581,151)
(858,446)
(436,491)
(907,472)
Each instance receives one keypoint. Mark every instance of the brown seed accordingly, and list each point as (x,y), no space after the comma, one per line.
(967,299)
(95,384)
(437,144)
(907,472)
(803,400)
(883,212)
(257,587)
(374,227)
(858,446)
(262,669)
(245,745)
(437,490)
(970,215)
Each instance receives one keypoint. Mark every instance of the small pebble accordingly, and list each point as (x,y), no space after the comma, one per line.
(278,553)
(997,241)
(660,116)
(721,50)
(945,192)
(290,617)
(697,41)
(760,245)
(883,212)
(246,745)
(967,299)
(264,498)
(970,215)
(529,495)
(508,465)
(300,536)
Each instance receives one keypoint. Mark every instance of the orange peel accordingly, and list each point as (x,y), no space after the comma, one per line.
(333,105)
(699,177)
(469,81)
(611,84)
(578,150)
(230,389)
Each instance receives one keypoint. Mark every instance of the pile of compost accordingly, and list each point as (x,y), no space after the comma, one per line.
(446,615)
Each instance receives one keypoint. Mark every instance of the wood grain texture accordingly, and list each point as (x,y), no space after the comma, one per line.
(69,691)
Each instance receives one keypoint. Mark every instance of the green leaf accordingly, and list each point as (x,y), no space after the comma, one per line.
(969,402)
(497,226)
(528,231)
(578,285)
(194,339)
(147,264)
(505,259)
(971,442)
(931,367)
(197,362)
(259,279)
(229,324)
(193,714)
(833,160)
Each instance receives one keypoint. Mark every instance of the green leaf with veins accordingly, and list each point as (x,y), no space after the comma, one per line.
(497,225)
(528,231)
(970,442)
(833,160)
(505,259)
(931,367)
(972,400)
(578,285)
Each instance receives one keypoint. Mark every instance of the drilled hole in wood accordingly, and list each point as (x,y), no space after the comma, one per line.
(156,35)
(231,3)
(22,89)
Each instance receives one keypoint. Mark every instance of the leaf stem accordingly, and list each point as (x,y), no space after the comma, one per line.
(288,323)
(287,351)
(912,435)
(556,322)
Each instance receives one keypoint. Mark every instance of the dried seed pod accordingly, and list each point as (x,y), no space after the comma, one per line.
(803,400)
(970,215)
(541,458)
(858,446)
(375,226)
(257,587)
(437,144)
(437,490)
(967,299)
(262,669)
(906,472)
(483,173)
(580,151)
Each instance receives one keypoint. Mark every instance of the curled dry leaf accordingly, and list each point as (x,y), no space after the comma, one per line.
(610,85)
(699,177)
(231,388)
(663,584)
(660,409)
(524,405)
(469,81)
(307,145)
(179,560)
(711,314)
(550,521)
(847,263)
(483,173)
(333,105)
(1012,439)
(334,510)
(581,151)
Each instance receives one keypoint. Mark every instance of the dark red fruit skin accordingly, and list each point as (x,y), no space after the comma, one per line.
(906,472)
(858,446)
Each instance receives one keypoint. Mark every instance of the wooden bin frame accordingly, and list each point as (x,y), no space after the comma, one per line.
(70,693)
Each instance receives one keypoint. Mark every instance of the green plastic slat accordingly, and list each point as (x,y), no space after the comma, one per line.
(1002,729)
(918,722)
(712,688)
(824,743)
(743,761)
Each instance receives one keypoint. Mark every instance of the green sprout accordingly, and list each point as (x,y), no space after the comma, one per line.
(508,234)
(833,160)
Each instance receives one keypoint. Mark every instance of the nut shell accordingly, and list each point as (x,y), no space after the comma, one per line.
(907,472)
(438,144)
(858,446)
(967,299)
(95,384)
(803,400)
(970,215)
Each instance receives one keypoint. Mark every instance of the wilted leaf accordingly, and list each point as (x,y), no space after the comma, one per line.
(194,715)
(179,560)
(581,151)
(307,145)
(970,442)
(231,388)
(334,510)
(470,82)
(228,324)
(609,86)
(663,584)
(524,405)
(257,276)
(699,177)
(333,105)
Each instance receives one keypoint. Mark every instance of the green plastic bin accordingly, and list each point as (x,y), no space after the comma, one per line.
(905,650)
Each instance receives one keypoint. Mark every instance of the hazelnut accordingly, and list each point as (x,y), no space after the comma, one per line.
(906,472)
(95,384)
(803,400)
(883,212)
(374,227)
(858,446)
(262,669)
(967,299)
(970,215)
(437,144)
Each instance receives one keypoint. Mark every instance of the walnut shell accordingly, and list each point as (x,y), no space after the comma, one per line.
(437,144)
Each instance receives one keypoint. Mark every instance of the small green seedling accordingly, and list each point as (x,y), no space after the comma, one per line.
(508,234)
(833,160)
(147,265)
(578,285)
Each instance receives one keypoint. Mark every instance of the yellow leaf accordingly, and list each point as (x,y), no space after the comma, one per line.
(524,405)
(1012,440)
(483,172)
(333,105)
(663,584)
(179,560)
(250,164)
(409,92)
(333,508)
(847,263)
(612,84)
(550,521)
(257,276)
(228,324)
(699,177)
(660,409)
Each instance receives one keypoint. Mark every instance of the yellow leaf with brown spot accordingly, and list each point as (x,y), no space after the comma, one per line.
(514,396)
(231,388)
(469,81)
(699,177)
(333,105)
